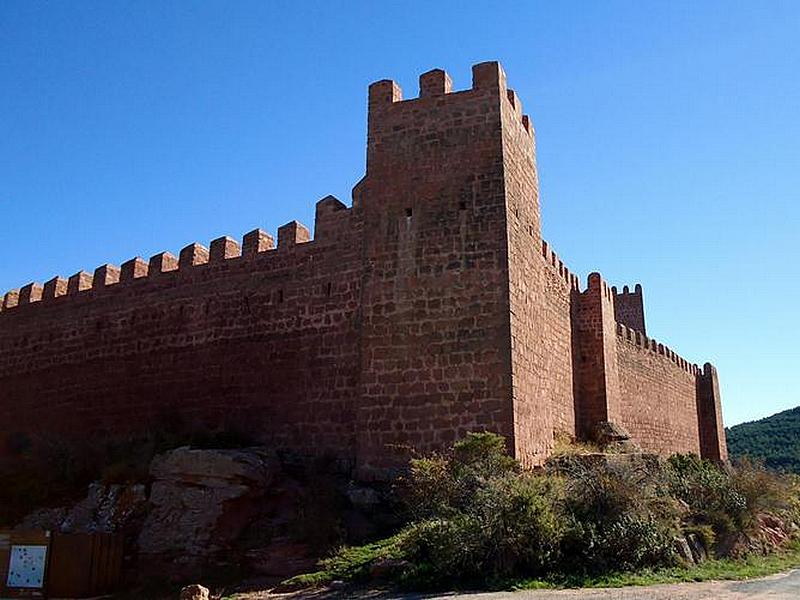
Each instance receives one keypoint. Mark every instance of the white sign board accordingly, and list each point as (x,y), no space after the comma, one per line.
(26,567)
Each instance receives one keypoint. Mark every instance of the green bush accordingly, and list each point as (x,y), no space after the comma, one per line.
(476,516)
(510,525)
(620,516)
(440,486)
(709,493)
(718,497)
(763,491)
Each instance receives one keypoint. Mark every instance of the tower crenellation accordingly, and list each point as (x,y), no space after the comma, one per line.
(629,307)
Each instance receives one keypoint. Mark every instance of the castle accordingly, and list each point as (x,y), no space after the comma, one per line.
(429,308)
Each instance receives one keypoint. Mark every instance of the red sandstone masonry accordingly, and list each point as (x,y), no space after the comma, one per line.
(659,400)
(598,397)
(629,307)
(435,333)
(428,309)
(561,293)
(709,410)
(540,379)
(266,343)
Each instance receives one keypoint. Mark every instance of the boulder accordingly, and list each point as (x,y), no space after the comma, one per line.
(698,548)
(683,551)
(613,437)
(730,545)
(44,518)
(194,592)
(609,431)
(202,499)
(771,533)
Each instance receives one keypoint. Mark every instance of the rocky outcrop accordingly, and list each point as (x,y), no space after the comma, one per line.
(698,547)
(106,509)
(203,509)
(614,438)
(202,499)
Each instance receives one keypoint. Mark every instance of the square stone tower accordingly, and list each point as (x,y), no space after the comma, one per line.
(452,269)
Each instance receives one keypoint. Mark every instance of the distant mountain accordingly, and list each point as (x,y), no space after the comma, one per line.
(775,440)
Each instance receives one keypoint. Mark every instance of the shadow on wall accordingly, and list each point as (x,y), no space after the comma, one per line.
(53,470)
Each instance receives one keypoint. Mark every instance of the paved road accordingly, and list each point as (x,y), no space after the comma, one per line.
(785,586)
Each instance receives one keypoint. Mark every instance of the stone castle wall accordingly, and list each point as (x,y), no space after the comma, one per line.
(560,290)
(659,395)
(428,309)
(266,341)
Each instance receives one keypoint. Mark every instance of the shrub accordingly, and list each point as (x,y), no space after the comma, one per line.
(763,491)
(620,516)
(475,515)
(626,543)
(439,486)
(509,526)
(732,502)
(715,496)
(566,445)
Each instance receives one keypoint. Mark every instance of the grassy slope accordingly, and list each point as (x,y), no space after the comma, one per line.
(775,439)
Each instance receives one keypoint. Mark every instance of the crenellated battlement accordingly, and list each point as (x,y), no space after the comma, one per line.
(629,307)
(597,284)
(626,290)
(137,269)
(192,255)
(105,275)
(552,260)
(30,293)
(436,85)
(640,340)
(330,212)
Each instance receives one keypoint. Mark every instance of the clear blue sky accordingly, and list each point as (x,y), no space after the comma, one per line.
(668,141)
